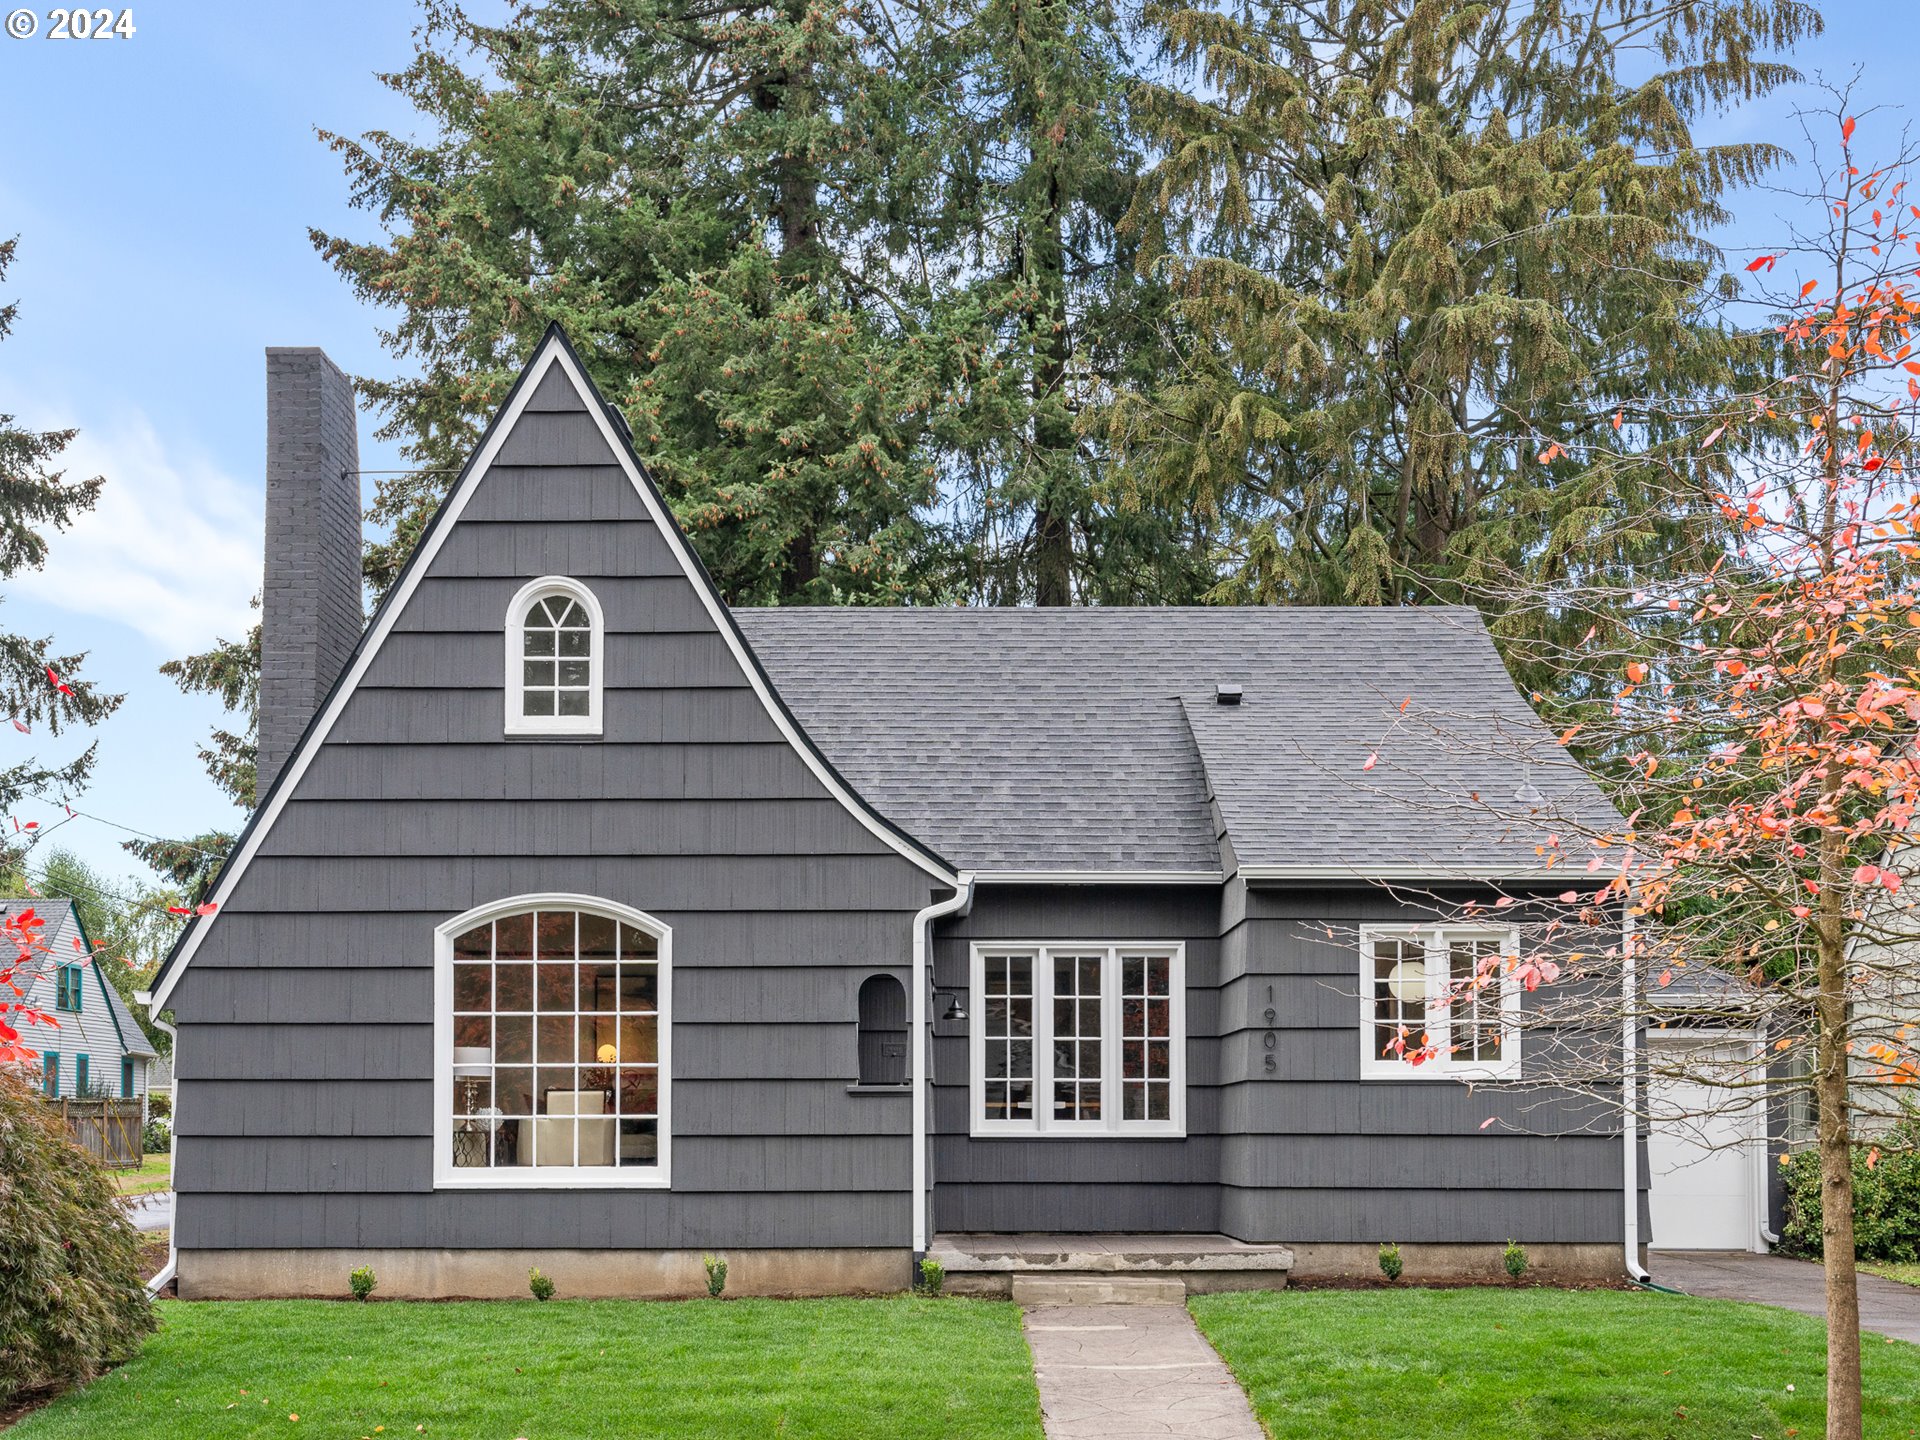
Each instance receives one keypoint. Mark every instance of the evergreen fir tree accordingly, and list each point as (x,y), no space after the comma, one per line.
(718,202)
(1441,270)
(1051,165)
(40,687)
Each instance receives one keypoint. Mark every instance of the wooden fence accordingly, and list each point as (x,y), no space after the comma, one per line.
(108,1130)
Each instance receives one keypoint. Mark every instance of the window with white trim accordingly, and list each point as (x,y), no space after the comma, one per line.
(556,655)
(1078,1039)
(1438,1002)
(552,1045)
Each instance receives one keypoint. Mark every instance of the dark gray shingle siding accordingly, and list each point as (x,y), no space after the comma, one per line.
(306,1056)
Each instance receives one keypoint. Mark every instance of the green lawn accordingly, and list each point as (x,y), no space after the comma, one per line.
(155,1174)
(569,1370)
(1540,1365)
(1905,1274)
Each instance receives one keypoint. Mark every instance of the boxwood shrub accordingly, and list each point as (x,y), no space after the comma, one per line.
(1886,1198)
(71,1300)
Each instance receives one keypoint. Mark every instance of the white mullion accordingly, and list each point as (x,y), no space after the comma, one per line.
(1111,1040)
(1439,1022)
(1042,1039)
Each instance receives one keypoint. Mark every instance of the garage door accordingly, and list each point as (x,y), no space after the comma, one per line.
(1700,1154)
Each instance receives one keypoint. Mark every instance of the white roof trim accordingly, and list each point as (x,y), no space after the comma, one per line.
(1570,874)
(1098,877)
(553,351)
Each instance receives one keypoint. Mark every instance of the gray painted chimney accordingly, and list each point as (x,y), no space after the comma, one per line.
(310,614)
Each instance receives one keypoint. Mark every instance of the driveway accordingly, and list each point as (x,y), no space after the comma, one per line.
(150,1212)
(1885,1305)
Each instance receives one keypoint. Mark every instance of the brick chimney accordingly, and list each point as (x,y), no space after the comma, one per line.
(310,609)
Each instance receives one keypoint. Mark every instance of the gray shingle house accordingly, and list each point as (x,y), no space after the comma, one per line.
(587,923)
(93,1048)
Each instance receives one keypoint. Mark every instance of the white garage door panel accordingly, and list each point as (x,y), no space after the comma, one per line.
(1701,1160)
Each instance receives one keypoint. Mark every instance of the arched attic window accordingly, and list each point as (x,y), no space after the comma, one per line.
(556,659)
(883,1031)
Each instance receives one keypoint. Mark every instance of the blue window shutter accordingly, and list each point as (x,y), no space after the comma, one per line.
(79,983)
(126,1079)
(80,1077)
(50,1069)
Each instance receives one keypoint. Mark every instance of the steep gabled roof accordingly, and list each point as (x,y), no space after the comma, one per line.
(1089,740)
(554,360)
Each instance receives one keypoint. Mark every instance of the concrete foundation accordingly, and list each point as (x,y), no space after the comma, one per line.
(502,1274)
(1555,1264)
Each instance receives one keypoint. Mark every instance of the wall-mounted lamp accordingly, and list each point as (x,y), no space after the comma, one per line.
(956,1012)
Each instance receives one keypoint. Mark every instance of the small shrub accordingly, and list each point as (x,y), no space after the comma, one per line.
(1886,1199)
(933,1277)
(159,1107)
(1390,1262)
(716,1267)
(539,1284)
(362,1281)
(71,1298)
(1514,1257)
(156,1137)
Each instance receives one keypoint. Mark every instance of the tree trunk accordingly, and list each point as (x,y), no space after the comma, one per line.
(1836,1190)
(1045,247)
(1052,435)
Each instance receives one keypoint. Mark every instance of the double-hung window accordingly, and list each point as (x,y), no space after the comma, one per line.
(1438,1002)
(126,1079)
(50,1072)
(1079,1039)
(69,987)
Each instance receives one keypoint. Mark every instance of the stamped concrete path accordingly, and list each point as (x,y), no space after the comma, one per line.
(1132,1372)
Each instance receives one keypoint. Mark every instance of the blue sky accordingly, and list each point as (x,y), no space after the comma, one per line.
(162,187)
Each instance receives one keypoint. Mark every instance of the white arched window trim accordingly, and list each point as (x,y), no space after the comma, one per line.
(446,1176)
(518,723)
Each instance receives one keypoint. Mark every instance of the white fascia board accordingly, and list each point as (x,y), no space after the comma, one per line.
(1098,877)
(553,351)
(1433,873)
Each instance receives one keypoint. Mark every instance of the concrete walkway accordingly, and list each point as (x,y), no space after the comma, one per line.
(1132,1372)
(1886,1306)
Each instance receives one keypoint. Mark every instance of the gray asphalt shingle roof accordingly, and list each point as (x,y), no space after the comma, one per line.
(1089,739)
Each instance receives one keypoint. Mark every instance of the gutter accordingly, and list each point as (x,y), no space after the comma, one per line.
(166,1273)
(1629,1099)
(958,904)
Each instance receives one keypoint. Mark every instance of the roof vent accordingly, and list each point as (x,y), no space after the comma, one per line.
(1226,694)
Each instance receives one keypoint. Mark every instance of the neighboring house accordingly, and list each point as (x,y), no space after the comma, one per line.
(92,1048)
(587,923)
(160,1079)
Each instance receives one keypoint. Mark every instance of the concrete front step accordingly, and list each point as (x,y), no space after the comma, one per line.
(990,1265)
(1099,1290)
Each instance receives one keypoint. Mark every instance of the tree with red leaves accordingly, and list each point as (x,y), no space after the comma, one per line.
(1756,714)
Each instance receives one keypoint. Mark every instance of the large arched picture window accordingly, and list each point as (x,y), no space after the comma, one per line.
(551,1045)
(556,656)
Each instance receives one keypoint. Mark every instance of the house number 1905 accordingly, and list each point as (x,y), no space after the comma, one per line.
(1271,1040)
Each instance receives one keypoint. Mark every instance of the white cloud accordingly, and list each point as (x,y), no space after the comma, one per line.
(172,549)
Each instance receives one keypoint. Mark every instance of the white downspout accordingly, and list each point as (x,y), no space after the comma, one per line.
(165,1276)
(1630,1094)
(922,1047)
